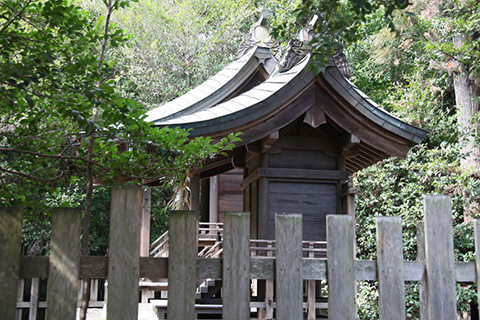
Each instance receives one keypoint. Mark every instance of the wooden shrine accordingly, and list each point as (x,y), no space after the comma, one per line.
(304,133)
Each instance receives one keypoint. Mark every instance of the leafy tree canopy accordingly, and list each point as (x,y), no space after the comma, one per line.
(58,94)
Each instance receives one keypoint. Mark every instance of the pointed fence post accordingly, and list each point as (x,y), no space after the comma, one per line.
(341,276)
(390,268)
(439,258)
(288,266)
(10,253)
(64,264)
(124,252)
(183,249)
(236,266)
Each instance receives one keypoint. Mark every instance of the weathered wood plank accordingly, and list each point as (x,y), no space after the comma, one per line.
(181,265)
(34,295)
(341,272)
(288,275)
(124,252)
(195,192)
(422,284)
(439,258)
(477,255)
(236,266)
(390,268)
(145,223)
(311,288)
(269,292)
(10,239)
(64,264)
(96,267)
(21,289)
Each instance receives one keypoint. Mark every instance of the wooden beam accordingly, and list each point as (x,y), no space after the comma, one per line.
(96,267)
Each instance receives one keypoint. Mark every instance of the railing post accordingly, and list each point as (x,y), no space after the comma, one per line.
(439,258)
(311,289)
(34,296)
(124,252)
(10,251)
(390,268)
(341,276)
(236,266)
(288,268)
(64,264)
(181,265)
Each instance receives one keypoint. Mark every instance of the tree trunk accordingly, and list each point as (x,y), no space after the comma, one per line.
(467,98)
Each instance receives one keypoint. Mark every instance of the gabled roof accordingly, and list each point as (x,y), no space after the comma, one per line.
(217,88)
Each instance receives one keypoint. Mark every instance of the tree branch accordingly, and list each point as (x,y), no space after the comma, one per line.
(19,13)
(25,175)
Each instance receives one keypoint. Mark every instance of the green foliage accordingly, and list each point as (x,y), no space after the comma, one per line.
(174,46)
(51,90)
(63,113)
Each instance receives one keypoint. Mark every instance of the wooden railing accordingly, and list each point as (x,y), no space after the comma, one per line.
(208,232)
(287,270)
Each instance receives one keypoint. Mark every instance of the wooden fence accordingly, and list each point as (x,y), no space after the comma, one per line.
(288,269)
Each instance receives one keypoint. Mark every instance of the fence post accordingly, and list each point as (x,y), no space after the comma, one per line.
(124,252)
(10,250)
(236,266)
(422,285)
(439,258)
(64,264)
(181,265)
(477,255)
(288,266)
(341,276)
(390,268)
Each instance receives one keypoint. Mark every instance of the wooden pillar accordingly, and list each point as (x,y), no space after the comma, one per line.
(10,251)
(145,223)
(124,252)
(195,192)
(351,192)
(288,266)
(439,258)
(64,264)
(236,266)
(183,226)
(213,215)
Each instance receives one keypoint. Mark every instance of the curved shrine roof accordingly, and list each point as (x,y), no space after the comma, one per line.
(282,98)
(217,88)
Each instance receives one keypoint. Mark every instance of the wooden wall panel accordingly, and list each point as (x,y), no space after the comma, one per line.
(230,195)
(313,200)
